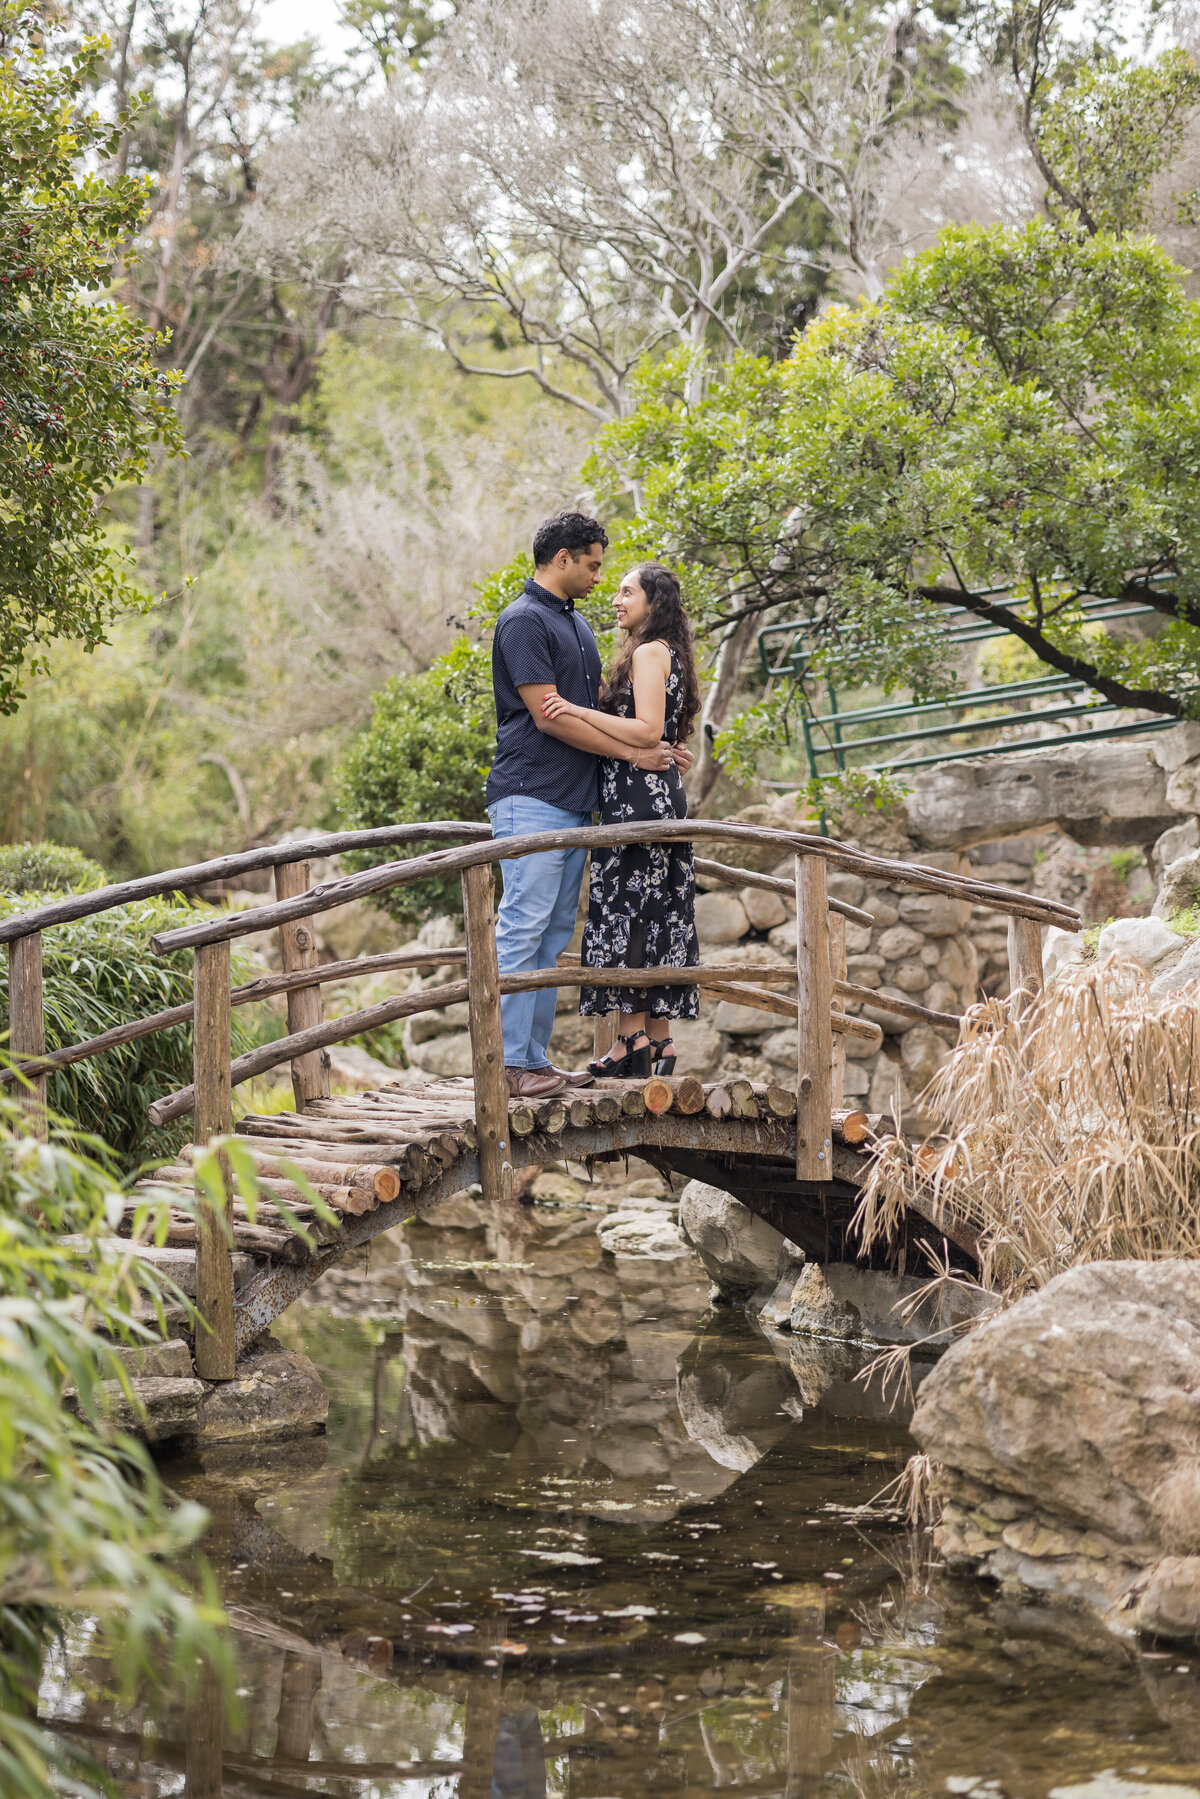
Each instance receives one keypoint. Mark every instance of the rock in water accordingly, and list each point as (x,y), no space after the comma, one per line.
(1067,1433)
(740,1252)
(274,1393)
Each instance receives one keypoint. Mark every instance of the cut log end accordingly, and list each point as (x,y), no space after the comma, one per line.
(657,1095)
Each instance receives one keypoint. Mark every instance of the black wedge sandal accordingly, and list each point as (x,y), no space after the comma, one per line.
(633,1062)
(663,1064)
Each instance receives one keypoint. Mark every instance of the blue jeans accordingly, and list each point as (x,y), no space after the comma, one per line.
(536,918)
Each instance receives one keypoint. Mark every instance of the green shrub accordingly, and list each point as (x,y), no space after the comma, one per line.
(100,972)
(82,1508)
(48,868)
(425,755)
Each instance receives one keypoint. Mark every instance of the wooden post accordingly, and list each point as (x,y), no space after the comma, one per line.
(213,1117)
(1024,963)
(814,1035)
(27,1024)
(487,1041)
(305,1007)
(837,968)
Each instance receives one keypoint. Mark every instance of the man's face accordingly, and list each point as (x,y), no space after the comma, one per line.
(582,570)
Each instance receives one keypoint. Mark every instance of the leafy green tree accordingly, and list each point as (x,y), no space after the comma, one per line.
(425,755)
(1020,410)
(81,398)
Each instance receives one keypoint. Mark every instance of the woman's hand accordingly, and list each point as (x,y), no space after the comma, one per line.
(554,706)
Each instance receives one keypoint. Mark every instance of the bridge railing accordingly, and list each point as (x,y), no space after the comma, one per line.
(819,977)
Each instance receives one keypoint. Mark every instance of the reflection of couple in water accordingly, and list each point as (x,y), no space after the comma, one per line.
(569,743)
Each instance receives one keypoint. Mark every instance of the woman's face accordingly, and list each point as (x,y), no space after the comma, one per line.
(630,603)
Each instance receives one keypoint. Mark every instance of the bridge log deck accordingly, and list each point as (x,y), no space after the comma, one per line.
(381,1158)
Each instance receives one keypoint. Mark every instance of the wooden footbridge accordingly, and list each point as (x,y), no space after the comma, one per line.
(793,1154)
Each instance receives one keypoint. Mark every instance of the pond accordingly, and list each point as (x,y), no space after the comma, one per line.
(572,1532)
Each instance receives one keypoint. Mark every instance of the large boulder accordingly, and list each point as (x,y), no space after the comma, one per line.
(1067,1434)
(1098,793)
(741,1252)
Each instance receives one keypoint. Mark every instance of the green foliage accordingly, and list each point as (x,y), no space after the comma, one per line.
(1020,409)
(85,1521)
(100,972)
(424,756)
(1111,128)
(81,401)
(1124,861)
(48,868)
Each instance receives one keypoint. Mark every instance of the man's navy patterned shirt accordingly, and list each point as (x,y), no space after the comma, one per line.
(541,640)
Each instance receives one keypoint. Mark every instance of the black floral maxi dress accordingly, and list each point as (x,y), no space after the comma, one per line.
(642,897)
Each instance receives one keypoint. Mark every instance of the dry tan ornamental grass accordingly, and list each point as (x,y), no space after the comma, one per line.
(1071,1136)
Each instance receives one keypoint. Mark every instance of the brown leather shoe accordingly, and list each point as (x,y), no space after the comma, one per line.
(574,1077)
(534,1083)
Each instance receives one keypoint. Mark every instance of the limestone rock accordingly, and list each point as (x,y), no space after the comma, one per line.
(899,942)
(864,1304)
(856,1082)
(1145,940)
(275,1393)
(1180,887)
(698,1046)
(643,1231)
(783,937)
(742,1021)
(942,997)
(937,914)
(1105,793)
(892,1024)
(1173,748)
(446,1056)
(922,1052)
(848,888)
(817,1312)
(443,932)
(171,1360)
(740,1252)
(1172,844)
(1181,974)
(164,1406)
(436,1024)
(720,917)
(780,1050)
(1183,788)
(1083,1400)
(1169,1605)
(1062,951)
(355,1070)
(911,977)
(355,929)
(764,910)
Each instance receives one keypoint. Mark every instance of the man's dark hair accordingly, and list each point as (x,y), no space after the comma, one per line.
(572,531)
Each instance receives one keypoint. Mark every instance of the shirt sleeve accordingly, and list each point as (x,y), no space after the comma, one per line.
(527,649)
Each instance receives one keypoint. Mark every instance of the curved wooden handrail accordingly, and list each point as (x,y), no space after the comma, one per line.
(221,868)
(401,874)
(721,977)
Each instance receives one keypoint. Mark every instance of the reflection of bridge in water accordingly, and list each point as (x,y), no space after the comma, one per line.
(793,1153)
(555,1460)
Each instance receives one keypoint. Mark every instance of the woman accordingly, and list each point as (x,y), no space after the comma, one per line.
(641,899)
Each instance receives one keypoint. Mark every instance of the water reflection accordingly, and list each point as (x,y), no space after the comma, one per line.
(573,1536)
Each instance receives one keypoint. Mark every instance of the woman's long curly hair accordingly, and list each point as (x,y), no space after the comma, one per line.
(668,623)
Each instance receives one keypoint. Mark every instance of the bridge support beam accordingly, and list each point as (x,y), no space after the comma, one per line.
(1025,974)
(837,968)
(213,1117)
(814,1036)
(487,1041)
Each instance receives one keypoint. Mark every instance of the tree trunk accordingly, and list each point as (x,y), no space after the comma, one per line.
(727,668)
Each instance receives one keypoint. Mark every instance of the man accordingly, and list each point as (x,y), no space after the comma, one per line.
(546,778)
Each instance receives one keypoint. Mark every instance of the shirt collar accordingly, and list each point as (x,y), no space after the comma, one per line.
(535,591)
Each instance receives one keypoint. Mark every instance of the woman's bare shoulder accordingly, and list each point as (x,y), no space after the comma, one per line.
(654,654)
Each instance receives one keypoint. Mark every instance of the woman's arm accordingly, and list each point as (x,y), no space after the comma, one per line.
(577,729)
(651,667)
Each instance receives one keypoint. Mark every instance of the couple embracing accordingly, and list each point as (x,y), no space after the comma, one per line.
(571,742)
